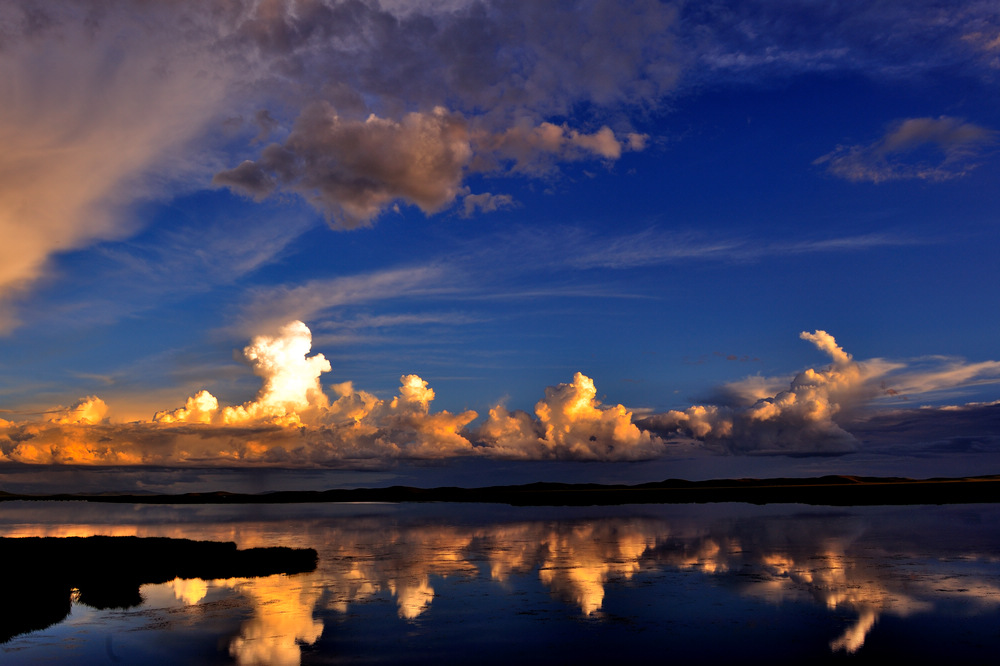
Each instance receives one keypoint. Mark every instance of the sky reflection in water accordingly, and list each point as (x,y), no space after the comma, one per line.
(441,582)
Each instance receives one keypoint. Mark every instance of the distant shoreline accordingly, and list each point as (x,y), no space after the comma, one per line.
(826,490)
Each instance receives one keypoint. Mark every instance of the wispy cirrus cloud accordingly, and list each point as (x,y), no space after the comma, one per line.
(119,279)
(942,375)
(650,248)
(932,149)
(87,132)
(269,307)
(532,249)
(881,39)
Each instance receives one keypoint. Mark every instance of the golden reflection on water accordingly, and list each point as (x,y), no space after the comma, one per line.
(283,619)
(364,558)
(577,563)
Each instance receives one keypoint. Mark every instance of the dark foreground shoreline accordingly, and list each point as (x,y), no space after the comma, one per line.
(826,490)
(107,572)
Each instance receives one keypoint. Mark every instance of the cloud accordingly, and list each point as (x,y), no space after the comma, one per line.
(293,422)
(535,149)
(934,149)
(86,131)
(87,411)
(472,87)
(352,170)
(501,59)
(273,306)
(941,374)
(291,377)
(291,388)
(943,432)
(830,410)
(562,247)
(202,407)
(485,203)
(167,266)
(757,39)
(401,102)
(571,424)
(358,423)
(800,419)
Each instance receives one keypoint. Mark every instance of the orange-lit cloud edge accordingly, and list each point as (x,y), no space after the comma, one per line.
(294,422)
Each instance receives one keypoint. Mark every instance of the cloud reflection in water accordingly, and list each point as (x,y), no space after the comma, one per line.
(857,564)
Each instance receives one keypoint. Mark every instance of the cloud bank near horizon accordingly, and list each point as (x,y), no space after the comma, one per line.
(293,422)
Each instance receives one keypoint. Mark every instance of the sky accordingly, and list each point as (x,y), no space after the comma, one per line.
(275,243)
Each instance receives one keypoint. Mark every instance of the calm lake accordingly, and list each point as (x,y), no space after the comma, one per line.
(458,583)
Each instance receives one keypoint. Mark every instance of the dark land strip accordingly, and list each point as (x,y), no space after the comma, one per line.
(826,490)
(107,572)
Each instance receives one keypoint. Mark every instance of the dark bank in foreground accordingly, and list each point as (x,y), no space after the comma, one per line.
(826,490)
(107,572)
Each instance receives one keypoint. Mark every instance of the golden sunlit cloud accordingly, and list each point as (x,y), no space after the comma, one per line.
(293,422)
(802,418)
(571,424)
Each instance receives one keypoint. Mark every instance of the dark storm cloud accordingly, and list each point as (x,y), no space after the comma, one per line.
(972,428)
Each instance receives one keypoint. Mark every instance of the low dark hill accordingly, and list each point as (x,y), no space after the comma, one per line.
(108,571)
(826,490)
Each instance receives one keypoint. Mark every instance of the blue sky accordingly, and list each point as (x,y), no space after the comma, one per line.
(494,197)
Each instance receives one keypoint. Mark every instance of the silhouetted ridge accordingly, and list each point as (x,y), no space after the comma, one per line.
(837,490)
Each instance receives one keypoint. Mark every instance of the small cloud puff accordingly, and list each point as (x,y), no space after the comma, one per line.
(934,149)
(202,407)
(485,202)
(87,411)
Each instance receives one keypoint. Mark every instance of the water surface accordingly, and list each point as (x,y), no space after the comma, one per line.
(455,582)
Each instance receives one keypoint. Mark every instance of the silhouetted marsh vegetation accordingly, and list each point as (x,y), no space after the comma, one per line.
(107,572)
